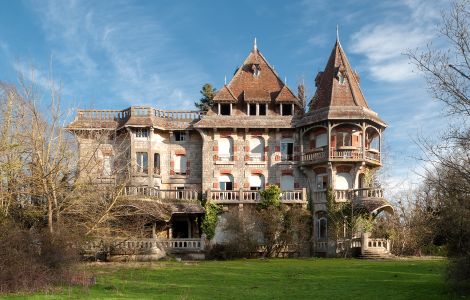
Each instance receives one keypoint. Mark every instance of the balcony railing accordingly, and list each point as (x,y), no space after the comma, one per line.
(373,155)
(138,111)
(344,195)
(218,196)
(346,153)
(159,194)
(314,156)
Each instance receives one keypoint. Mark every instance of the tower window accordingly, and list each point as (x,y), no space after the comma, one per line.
(142,133)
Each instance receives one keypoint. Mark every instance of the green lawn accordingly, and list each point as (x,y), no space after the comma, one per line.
(263,279)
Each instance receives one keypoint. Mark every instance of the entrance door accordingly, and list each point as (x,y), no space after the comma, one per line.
(180,229)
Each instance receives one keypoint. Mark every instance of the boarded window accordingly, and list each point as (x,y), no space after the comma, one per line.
(180,164)
(225,151)
(287,182)
(256,149)
(107,165)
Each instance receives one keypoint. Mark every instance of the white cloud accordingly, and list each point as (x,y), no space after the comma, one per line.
(119,47)
(385,41)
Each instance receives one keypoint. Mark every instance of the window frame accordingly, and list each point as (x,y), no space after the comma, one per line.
(142,164)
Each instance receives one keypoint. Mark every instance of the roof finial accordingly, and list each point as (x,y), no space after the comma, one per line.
(337,33)
(225,79)
(254,46)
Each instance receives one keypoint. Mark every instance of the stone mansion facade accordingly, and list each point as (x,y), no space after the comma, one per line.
(256,134)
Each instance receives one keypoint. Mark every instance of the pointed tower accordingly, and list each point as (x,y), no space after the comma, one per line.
(341,146)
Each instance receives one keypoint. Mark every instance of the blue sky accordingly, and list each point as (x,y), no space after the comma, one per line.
(113,54)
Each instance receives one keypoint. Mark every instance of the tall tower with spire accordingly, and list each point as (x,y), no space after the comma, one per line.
(341,141)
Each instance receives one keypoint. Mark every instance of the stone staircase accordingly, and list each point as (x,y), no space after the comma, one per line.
(376,254)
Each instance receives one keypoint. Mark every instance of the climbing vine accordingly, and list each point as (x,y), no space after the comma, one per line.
(210,219)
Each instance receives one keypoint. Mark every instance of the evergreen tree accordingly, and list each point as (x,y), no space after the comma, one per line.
(208,92)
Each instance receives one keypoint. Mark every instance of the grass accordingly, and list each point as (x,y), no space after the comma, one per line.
(263,279)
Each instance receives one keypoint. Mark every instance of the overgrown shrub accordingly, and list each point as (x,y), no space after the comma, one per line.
(210,219)
(34,260)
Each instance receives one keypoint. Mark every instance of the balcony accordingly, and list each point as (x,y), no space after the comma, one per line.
(314,156)
(247,196)
(158,194)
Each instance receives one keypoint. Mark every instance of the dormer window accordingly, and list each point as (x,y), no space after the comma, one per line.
(225,109)
(256,70)
(256,109)
(287,109)
(341,77)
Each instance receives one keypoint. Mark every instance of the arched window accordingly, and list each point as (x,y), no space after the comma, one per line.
(322,228)
(287,182)
(225,149)
(256,182)
(257,149)
(226,182)
(343,181)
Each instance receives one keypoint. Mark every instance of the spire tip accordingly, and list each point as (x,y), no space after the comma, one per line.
(255,47)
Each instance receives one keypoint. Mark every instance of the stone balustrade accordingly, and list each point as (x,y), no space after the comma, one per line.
(145,245)
(159,194)
(138,111)
(345,195)
(247,196)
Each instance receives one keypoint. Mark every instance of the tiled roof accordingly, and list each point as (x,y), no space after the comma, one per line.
(286,95)
(225,95)
(338,84)
(254,81)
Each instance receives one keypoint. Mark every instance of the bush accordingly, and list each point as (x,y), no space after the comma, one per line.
(32,261)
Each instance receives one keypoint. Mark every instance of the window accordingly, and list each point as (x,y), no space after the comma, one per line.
(225,109)
(257,149)
(107,165)
(256,182)
(252,109)
(226,182)
(343,139)
(287,150)
(156,163)
(322,228)
(286,109)
(262,109)
(180,136)
(142,133)
(225,149)
(322,182)
(180,165)
(141,162)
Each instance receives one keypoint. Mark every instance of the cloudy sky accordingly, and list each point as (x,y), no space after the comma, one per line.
(113,54)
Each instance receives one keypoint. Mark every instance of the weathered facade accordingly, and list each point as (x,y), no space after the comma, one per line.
(256,134)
